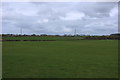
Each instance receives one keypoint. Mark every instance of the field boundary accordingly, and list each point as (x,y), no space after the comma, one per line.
(28,40)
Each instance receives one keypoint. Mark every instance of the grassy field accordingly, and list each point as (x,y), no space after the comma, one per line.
(60,59)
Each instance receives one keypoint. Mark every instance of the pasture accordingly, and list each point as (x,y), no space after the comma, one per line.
(60,59)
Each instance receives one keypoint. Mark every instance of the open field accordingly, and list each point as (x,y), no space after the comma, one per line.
(60,59)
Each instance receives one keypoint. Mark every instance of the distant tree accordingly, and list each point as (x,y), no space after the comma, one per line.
(33,35)
(115,36)
(57,35)
(43,34)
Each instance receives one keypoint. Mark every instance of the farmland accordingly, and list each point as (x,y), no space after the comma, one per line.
(60,59)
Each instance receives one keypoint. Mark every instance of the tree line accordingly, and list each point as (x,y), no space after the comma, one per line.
(86,37)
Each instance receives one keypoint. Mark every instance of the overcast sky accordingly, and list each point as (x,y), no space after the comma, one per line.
(60,17)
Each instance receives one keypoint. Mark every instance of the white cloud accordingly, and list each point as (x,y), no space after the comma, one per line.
(42,21)
(45,20)
(114,12)
(73,16)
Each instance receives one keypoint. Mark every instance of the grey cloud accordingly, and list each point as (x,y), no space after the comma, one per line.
(45,17)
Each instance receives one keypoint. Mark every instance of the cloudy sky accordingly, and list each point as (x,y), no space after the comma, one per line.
(93,18)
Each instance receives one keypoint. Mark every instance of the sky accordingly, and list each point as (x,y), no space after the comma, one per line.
(57,18)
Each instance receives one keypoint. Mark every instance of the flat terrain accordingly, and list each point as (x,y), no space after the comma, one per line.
(60,59)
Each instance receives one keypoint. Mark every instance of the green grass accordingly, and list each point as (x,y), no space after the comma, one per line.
(60,59)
